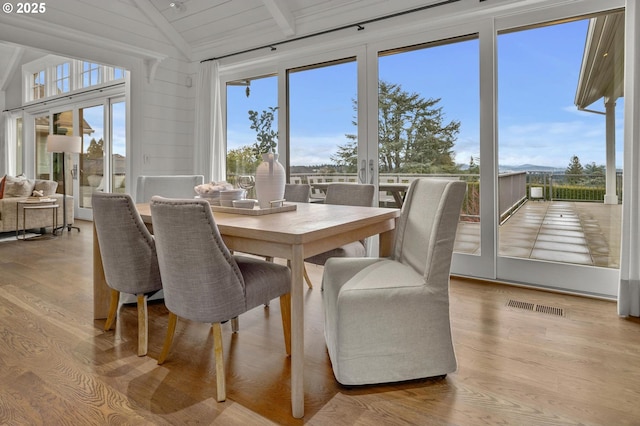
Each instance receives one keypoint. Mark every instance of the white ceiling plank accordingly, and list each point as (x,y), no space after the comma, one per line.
(150,11)
(282,15)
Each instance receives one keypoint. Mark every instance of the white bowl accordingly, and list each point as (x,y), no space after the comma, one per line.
(244,204)
(232,194)
(212,194)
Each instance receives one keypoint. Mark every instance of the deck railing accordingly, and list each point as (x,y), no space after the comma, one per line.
(514,188)
(570,187)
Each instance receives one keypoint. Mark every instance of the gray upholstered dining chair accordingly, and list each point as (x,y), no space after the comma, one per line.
(128,255)
(204,282)
(297,192)
(346,194)
(387,319)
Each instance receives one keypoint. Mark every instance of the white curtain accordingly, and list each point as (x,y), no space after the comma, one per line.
(210,151)
(629,289)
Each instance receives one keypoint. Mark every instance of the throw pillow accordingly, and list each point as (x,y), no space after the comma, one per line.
(2,186)
(18,186)
(48,187)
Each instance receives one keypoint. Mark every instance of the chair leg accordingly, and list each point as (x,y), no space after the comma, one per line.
(113,307)
(143,325)
(304,271)
(285,310)
(171,329)
(235,324)
(219,355)
(306,277)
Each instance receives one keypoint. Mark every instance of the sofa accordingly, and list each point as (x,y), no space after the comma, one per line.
(19,188)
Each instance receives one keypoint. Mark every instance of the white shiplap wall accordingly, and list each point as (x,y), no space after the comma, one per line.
(118,33)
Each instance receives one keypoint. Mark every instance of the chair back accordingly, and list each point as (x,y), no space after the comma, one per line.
(297,192)
(427,227)
(350,194)
(127,248)
(201,280)
(178,186)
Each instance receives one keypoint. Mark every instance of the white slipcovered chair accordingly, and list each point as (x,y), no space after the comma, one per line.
(387,319)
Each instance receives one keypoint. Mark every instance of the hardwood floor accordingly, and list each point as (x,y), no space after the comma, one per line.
(516,366)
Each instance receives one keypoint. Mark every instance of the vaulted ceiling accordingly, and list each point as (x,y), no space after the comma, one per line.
(200,29)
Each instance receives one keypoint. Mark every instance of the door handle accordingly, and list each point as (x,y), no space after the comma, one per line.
(362,174)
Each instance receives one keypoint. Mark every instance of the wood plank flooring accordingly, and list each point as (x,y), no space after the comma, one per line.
(516,366)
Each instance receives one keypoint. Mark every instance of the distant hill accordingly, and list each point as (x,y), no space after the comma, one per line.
(504,168)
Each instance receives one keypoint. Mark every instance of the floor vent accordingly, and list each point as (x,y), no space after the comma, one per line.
(521,305)
(551,310)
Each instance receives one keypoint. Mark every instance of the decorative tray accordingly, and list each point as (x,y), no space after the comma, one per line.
(255,211)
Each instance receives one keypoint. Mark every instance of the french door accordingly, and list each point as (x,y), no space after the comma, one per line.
(102,162)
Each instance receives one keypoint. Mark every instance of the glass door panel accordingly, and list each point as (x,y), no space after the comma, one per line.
(118,146)
(43,158)
(63,125)
(429,124)
(91,158)
(19,147)
(244,97)
(560,119)
(323,144)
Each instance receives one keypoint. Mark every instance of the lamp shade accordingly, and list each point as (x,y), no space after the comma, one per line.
(64,143)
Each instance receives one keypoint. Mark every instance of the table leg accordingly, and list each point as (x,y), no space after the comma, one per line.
(386,242)
(100,289)
(297,332)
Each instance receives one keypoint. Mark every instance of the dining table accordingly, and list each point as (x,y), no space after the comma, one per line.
(294,235)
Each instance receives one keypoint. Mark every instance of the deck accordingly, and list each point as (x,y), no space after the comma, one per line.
(560,231)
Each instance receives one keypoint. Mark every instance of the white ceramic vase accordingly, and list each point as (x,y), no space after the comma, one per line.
(270,180)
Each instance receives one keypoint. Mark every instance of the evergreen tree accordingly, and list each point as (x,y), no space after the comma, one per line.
(574,170)
(95,149)
(412,135)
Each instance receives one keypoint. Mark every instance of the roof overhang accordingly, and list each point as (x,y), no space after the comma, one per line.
(602,70)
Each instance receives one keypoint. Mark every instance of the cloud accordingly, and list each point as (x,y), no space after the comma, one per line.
(553,143)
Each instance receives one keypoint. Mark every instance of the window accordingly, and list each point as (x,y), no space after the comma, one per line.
(53,76)
(63,78)
(91,74)
(38,85)
(118,73)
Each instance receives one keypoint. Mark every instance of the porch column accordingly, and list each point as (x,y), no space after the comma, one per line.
(610,196)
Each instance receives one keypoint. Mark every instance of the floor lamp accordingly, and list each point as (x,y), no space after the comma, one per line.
(64,144)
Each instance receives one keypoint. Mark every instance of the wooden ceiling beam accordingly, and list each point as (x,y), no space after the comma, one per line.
(282,15)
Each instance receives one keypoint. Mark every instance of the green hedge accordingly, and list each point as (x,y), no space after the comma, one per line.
(574,192)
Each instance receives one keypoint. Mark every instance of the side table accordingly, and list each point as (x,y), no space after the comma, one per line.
(35,205)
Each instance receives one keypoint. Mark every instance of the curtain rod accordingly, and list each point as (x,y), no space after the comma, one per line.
(69,96)
(359,26)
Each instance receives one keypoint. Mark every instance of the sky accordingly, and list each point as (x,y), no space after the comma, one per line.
(538,123)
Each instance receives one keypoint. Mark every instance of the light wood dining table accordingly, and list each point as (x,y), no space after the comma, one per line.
(294,235)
